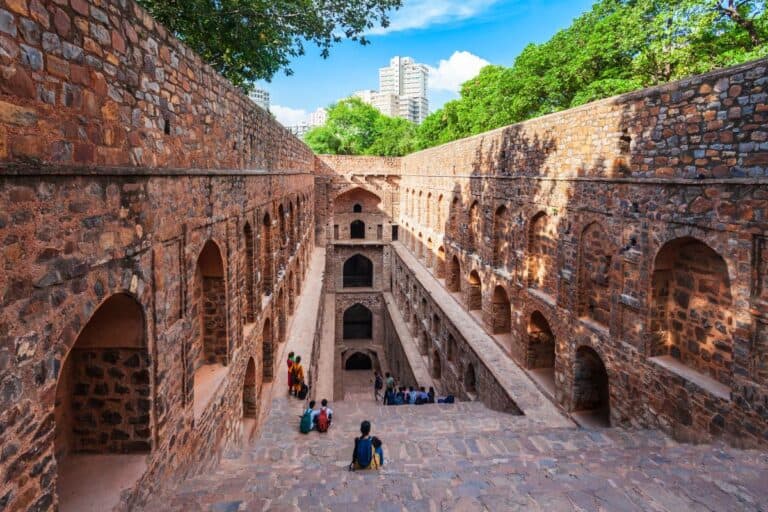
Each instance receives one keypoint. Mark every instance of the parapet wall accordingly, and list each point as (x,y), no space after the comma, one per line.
(100,83)
(706,126)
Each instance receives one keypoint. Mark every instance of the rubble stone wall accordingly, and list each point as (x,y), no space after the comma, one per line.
(572,215)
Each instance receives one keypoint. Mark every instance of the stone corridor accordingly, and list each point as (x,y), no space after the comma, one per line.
(462,456)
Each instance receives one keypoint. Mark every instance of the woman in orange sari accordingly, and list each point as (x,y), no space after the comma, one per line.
(290,372)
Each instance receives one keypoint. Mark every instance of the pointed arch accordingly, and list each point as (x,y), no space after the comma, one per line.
(501,237)
(357,322)
(474,291)
(249,277)
(357,272)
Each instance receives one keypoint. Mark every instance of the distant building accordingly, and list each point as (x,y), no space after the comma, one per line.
(402,90)
(260,97)
(316,118)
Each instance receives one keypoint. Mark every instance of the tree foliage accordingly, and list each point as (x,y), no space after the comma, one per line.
(247,40)
(355,128)
(616,47)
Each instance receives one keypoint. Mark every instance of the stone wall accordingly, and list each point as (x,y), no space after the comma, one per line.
(572,216)
(101,83)
(111,401)
(121,156)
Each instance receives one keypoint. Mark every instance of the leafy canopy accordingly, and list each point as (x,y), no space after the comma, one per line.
(248,40)
(616,47)
(355,128)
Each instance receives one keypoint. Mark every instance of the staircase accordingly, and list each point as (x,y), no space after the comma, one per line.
(466,457)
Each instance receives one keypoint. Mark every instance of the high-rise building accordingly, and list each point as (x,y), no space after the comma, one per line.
(402,90)
(406,79)
(260,97)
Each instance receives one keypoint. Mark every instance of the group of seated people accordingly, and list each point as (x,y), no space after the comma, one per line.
(316,419)
(413,396)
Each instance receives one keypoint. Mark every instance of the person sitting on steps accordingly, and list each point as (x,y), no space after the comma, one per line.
(368,452)
(323,417)
(306,423)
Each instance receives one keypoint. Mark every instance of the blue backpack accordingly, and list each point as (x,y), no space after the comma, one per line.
(305,425)
(364,452)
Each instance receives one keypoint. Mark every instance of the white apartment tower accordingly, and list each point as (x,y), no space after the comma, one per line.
(407,80)
(402,90)
(260,97)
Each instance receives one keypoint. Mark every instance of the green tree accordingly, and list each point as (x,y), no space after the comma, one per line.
(356,128)
(616,47)
(247,40)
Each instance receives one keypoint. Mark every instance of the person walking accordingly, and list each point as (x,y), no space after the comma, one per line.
(378,384)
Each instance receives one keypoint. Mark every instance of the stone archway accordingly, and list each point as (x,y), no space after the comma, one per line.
(103,429)
(358,361)
(453,281)
(358,323)
(591,396)
(474,292)
(357,272)
(250,402)
(692,309)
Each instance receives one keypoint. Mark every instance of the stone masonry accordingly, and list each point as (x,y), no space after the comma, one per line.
(156,229)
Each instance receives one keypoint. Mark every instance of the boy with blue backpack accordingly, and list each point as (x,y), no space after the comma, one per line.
(368,452)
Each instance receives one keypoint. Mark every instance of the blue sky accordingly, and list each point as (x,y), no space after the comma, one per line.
(455,37)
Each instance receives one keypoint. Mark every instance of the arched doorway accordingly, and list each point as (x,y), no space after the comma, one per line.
(267,265)
(500,237)
(502,312)
(453,282)
(102,410)
(452,350)
(540,352)
(541,253)
(357,272)
(440,264)
(591,397)
(248,289)
(358,361)
(267,352)
(470,381)
(281,316)
(211,305)
(474,292)
(473,228)
(250,403)
(357,229)
(358,323)
(692,309)
(436,366)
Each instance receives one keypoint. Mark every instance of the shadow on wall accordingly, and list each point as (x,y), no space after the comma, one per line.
(536,238)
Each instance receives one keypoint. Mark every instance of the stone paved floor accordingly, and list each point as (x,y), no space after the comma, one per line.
(466,457)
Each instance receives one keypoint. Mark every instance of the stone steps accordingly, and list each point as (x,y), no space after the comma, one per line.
(464,456)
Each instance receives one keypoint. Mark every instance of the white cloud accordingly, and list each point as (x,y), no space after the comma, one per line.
(288,116)
(451,73)
(416,14)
